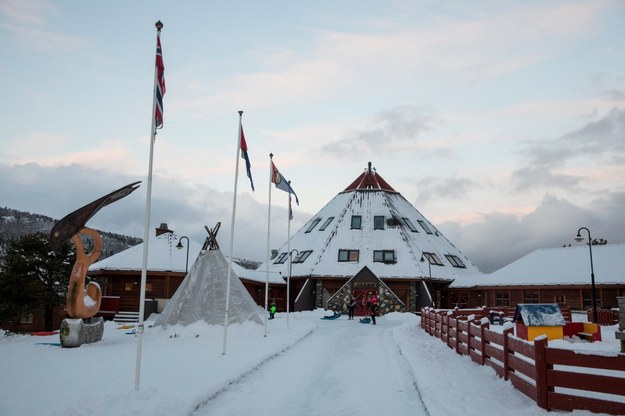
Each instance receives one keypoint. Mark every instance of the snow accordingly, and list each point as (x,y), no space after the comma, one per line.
(311,367)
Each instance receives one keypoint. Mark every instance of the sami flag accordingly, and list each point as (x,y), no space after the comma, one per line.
(159,85)
(281,183)
(245,156)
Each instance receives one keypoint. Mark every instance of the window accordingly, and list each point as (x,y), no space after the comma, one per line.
(148,287)
(378,222)
(455,261)
(384,256)
(326,223)
(531,296)
(433,258)
(313,224)
(425,226)
(356,222)
(410,225)
(281,258)
(349,255)
(129,286)
(302,256)
(561,299)
(502,298)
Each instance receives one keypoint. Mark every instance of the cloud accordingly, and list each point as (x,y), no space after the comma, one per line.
(498,239)
(451,188)
(186,208)
(598,143)
(27,23)
(391,131)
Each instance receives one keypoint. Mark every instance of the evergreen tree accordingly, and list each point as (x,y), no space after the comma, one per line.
(33,278)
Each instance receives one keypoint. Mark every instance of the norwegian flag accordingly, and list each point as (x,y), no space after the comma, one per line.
(159,85)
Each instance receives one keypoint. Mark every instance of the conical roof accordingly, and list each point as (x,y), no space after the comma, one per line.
(370,224)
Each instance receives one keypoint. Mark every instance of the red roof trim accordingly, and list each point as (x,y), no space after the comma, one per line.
(370,180)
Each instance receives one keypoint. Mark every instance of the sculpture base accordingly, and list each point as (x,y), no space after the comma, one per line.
(75,332)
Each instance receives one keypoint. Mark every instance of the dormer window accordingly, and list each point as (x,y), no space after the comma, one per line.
(455,261)
(378,222)
(356,222)
(348,255)
(425,227)
(410,225)
(281,258)
(326,223)
(433,259)
(302,256)
(313,224)
(384,256)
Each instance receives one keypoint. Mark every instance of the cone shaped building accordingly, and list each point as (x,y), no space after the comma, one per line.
(367,242)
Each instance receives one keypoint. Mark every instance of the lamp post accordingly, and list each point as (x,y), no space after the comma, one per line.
(179,246)
(579,239)
(288,285)
(423,258)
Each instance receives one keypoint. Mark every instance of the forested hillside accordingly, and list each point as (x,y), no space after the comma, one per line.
(14,224)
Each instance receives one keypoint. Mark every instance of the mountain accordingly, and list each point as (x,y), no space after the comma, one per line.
(14,224)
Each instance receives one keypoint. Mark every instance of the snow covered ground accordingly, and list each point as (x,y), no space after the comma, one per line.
(311,367)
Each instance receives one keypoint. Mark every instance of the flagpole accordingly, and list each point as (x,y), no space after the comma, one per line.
(288,279)
(234,210)
(146,224)
(268,243)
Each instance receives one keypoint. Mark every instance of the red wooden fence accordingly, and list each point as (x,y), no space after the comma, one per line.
(556,379)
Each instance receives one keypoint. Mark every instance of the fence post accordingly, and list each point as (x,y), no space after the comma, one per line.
(483,327)
(457,335)
(620,334)
(540,360)
(506,366)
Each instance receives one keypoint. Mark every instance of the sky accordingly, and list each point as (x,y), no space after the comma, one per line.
(342,367)
(502,122)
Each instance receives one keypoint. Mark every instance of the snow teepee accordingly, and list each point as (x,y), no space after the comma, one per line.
(202,294)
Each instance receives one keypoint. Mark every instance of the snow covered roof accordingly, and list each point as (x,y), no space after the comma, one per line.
(370,224)
(162,255)
(556,266)
(258,275)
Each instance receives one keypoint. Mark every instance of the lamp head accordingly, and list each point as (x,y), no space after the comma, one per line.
(422,259)
(179,246)
(579,238)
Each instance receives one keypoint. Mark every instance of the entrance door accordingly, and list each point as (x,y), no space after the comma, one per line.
(363,301)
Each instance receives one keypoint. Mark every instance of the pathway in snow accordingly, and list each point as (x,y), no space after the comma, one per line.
(342,368)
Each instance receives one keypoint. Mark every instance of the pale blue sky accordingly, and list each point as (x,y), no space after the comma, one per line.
(502,122)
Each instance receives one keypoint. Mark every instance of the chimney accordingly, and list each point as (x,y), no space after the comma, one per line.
(163,229)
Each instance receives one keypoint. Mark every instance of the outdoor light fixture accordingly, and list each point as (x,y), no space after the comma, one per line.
(180,246)
(429,263)
(288,284)
(579,239)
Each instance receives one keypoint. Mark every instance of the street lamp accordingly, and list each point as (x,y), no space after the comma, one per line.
(179,246)
(579,239)
(429,263)
(288,284)
(423,258)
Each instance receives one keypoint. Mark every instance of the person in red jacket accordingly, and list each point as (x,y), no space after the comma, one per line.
(373,309)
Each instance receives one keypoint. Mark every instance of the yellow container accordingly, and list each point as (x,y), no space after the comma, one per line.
(552,332)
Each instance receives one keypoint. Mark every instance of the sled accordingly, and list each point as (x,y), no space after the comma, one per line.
(365,320)
(330,317)
(44,333)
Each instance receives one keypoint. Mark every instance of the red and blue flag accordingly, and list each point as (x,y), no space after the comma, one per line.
(245,156)
(159,85)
